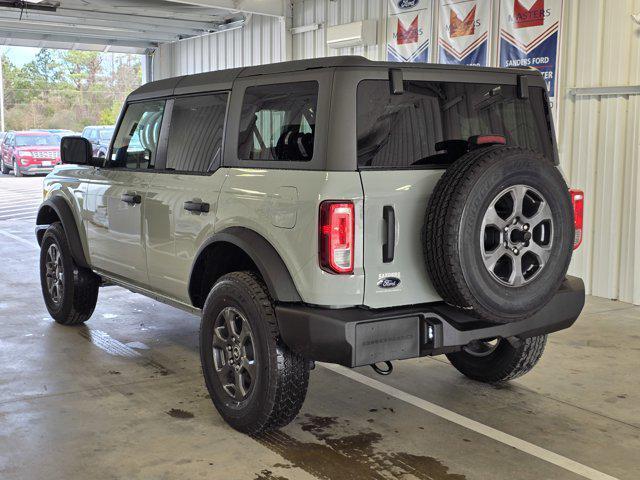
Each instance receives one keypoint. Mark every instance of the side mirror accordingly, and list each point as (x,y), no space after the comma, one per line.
(76,150)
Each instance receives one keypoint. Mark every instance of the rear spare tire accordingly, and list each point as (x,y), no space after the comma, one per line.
(498,235)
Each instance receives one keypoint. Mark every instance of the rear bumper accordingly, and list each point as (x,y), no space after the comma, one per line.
(354,336)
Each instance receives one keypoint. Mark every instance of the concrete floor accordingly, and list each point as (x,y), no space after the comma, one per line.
(123,397)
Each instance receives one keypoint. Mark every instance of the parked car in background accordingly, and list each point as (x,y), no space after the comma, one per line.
(29,152)
(57,132)
(100,137)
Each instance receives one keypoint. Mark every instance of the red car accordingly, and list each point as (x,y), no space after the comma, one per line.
(29,153)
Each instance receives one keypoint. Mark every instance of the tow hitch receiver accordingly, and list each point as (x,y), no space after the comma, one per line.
(385,371)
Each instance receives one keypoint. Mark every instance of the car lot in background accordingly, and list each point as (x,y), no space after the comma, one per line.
(29,152)
(57,132)
(100,137)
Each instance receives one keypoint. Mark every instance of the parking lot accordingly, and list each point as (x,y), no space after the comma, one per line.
(123,397)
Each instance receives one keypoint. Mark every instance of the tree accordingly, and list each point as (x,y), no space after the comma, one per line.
(68,89)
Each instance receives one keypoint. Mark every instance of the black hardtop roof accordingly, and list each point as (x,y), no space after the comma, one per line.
(223,79)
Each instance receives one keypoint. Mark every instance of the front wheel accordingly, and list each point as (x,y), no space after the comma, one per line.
(70,292)
(4,168)
(255,382)
(498,360)
(16,169)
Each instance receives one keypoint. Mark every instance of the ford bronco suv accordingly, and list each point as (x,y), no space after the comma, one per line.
(335,210)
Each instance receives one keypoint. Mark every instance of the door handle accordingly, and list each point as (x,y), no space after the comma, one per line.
(131,198)
(201,207)
(389,243)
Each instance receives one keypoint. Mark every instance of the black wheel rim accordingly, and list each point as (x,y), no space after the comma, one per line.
(482,348)
(234,356)
(54,274)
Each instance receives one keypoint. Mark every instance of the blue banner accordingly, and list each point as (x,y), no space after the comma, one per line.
(530,37)
(463,32)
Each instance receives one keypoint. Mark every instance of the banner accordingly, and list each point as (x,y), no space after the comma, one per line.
(530,37)
(409,30)
(463,32)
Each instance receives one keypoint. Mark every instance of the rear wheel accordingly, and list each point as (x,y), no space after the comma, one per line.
(498,360)
(70,292)
(4,168)
(255,382)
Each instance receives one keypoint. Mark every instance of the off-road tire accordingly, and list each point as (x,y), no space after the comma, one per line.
(282,379)
(80,291)
(452,227)
(3,168)
(505,363)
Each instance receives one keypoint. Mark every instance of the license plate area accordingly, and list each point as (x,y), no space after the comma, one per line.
(46,163)
(382,340)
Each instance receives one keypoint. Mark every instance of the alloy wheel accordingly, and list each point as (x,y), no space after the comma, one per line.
(54,274)
(516,235)
(481,348)
(234,354)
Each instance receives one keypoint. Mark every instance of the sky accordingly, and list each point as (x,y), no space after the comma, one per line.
(20,55)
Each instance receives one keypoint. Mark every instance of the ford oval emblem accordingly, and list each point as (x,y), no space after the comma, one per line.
(388,282)
(404,4)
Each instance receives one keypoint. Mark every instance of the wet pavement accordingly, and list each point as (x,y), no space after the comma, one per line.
(123,397)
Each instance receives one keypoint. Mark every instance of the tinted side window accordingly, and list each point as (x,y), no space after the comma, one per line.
(431,122)
(278,122)
(195,137)
(136,143)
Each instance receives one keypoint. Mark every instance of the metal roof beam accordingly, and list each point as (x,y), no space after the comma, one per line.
(126,23)
(36,28)
(138,18)
(272,8)
(8,35)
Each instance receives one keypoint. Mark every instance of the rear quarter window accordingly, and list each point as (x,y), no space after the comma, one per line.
(278,122)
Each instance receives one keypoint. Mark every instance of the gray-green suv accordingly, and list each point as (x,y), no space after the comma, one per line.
(334,210)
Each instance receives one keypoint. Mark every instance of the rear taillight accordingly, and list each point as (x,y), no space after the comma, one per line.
(336,228)
(577,199)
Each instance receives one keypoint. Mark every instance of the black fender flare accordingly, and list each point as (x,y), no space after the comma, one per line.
(62,209)
(272,268)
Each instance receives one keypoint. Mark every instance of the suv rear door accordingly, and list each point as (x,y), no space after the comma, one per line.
(401,156)
(181,201)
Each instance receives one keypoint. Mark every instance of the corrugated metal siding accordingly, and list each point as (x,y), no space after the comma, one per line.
(326,12)
(258,42)
(600,141)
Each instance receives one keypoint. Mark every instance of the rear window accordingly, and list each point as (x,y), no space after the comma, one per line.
(278,122)
(430,123)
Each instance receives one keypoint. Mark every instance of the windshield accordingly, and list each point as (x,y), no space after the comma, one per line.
(106,134)
(36,141)
(431,123)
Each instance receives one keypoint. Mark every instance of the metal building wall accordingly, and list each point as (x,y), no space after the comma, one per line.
(259,41)
(599,139)
(328,12)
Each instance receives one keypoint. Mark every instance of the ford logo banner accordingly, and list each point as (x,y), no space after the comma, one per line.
(404,4)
